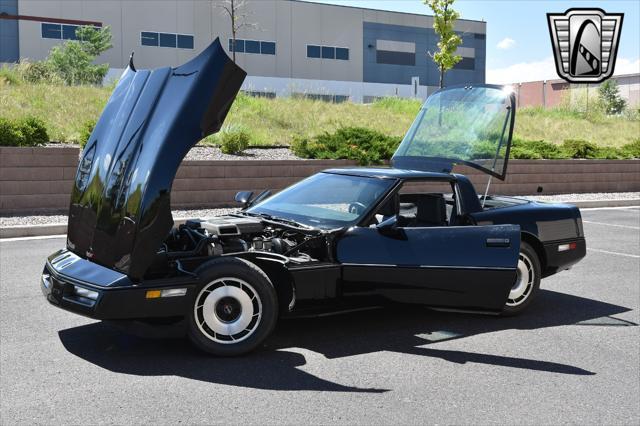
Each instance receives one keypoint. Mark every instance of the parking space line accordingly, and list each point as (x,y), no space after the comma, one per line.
(630,208)
(634,256)
(39,237)
(611,224)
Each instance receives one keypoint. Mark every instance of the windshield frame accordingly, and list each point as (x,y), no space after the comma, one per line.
(445,164)
(392,183)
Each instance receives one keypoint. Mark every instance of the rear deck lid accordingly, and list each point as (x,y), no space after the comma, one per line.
(470,125)
(120,211)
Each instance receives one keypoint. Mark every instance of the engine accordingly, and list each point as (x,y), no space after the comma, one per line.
(236,233)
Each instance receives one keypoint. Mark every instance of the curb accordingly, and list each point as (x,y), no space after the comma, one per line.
(61,228)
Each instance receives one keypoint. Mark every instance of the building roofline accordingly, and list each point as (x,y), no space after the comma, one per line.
(380,10)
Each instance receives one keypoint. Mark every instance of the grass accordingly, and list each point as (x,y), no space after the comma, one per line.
(65,111)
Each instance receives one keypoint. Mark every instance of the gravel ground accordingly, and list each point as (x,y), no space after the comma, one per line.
(594,196)
(54,219)
(213,153)
(57,219)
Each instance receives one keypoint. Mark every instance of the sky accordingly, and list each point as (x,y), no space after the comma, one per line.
(518,43)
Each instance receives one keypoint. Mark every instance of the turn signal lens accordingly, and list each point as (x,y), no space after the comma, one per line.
(153,294)
(170,292)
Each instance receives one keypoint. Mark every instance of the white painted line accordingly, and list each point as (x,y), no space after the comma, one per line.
(39,237)
(632,208)
(611,224)
(634,256)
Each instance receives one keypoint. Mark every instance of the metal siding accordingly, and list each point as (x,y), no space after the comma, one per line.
(9,48)
(425,40)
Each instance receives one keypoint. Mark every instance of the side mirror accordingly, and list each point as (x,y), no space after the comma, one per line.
(243,197)
(390,228)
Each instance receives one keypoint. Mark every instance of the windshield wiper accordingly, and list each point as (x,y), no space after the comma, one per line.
(278,219)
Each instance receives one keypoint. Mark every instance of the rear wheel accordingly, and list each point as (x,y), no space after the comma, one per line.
(235,309)
(527,282)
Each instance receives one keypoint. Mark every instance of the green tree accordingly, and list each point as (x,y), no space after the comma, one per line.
(610,97)
(444,19)
(73,60)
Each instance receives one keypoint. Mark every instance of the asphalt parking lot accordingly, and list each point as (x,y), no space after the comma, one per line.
(573,357)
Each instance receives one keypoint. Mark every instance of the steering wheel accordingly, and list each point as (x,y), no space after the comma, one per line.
(357,207)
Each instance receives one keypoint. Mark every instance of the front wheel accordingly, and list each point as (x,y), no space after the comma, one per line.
(527,282)
(235,309)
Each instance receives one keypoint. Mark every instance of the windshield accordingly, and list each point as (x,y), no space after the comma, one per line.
(325,200)
(468,125)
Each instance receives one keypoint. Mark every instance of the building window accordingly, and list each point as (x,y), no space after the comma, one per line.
(185,41)
(313,51)
(52,31)
(480,36)
(337,99)
(59,31)
(168,40)
(181,41)
(251,46)
(268,47)
(149,39)
(342,53)
(238,48)
(69,32)
(256,94)
(327,52)
(256,47)
(395,58)
(466,64)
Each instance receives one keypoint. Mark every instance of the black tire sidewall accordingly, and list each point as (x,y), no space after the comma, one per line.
(530,252)
(246,271)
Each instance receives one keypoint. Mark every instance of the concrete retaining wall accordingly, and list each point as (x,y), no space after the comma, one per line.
(37,180)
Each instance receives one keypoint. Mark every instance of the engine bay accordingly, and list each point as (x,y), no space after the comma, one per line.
(237,233)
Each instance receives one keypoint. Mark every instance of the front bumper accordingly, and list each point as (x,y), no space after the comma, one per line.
(80,286)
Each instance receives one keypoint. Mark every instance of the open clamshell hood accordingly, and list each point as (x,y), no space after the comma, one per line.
(470,125)
(120,211)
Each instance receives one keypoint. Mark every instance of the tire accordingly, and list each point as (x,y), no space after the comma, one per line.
(528,282)
(235,308)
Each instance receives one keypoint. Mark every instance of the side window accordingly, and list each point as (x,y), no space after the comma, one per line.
(426,204)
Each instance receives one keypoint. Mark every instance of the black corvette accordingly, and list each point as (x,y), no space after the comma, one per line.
(341,239)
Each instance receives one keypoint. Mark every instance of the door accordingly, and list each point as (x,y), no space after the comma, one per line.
(464,267)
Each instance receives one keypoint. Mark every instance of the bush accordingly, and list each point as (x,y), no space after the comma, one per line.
(352,143)
(575,148)
(85,131)
(234,142)
(28,131)
(524,149)
(632,150)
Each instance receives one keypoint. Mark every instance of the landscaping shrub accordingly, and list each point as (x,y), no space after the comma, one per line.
(575,148)
(352,143)
(632,150)
(85,131)
(525,149)
(234,141)
(28,131)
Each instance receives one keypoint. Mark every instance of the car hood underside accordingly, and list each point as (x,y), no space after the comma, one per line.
(120,211)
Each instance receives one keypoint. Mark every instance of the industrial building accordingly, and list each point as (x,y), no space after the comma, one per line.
(288,47)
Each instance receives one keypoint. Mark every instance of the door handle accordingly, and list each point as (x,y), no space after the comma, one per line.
(498,242)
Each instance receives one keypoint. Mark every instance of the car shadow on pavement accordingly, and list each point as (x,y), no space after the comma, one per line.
(276,366)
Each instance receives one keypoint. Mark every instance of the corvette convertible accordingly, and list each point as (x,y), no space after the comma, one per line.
(351,238)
